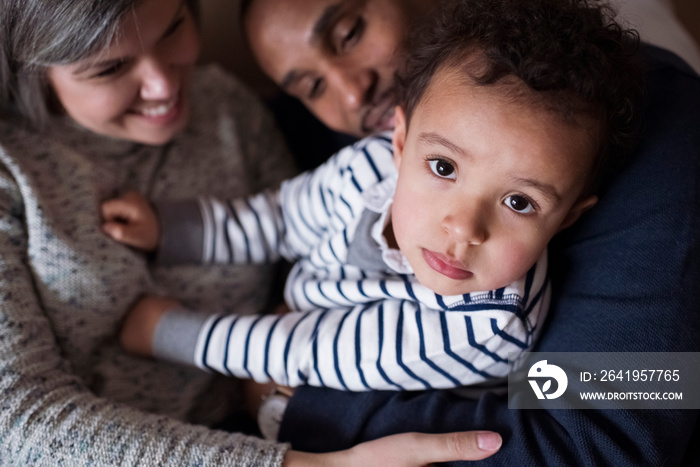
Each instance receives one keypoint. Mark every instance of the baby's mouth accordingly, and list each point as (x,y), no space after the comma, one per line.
(446,266)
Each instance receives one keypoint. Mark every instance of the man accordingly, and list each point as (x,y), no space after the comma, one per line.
(629,270)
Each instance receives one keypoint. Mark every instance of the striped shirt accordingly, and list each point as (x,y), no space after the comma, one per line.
(359,320)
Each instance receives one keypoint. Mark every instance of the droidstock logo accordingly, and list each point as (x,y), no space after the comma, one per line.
(545,372)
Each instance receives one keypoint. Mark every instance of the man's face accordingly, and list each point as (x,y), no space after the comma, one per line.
(337,56)
(484,183)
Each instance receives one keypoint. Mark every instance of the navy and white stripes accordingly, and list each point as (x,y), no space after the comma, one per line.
(353,328)
(381,343)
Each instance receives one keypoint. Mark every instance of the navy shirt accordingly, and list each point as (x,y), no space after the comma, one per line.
(627,278)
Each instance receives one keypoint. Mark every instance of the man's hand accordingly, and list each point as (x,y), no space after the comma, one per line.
(130,219)
(140,323)
(405,450)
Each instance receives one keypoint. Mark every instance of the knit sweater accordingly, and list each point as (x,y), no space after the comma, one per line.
(70,395)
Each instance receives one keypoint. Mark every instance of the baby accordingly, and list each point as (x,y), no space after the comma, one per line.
(421,254)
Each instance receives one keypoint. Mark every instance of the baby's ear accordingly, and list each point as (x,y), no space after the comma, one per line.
(576,210)
(399,138)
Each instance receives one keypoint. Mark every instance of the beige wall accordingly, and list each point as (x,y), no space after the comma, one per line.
(688,11)
(223,43)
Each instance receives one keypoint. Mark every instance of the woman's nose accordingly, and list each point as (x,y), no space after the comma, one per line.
(157,81)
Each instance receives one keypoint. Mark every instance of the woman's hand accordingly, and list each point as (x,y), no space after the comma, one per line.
(131,220)
(405,450)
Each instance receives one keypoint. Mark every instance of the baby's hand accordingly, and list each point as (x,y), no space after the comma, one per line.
(130,219)
(140,323)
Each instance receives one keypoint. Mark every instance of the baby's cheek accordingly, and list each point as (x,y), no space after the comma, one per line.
(404,213)
(517,258)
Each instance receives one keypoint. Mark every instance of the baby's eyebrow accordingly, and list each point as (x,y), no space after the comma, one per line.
(545,188)
(432,138)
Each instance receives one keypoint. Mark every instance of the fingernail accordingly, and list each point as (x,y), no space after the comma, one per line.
(488,441)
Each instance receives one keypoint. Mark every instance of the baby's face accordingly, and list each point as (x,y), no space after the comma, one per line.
(484,184)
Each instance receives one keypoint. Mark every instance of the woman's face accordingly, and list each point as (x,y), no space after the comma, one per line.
(337,56)
(137,88)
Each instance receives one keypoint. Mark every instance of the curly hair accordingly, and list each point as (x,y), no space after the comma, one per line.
(571,55)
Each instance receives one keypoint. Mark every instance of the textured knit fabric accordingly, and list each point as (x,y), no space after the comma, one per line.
(359,326)
(625,278)
(70,395)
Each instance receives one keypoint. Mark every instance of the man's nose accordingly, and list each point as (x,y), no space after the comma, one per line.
(355,87)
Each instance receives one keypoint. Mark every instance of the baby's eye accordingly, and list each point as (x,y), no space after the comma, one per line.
(519,204)
(442,169)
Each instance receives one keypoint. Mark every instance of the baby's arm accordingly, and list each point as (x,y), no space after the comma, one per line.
(384,345)
(140,323)
(203,231)
(287,222)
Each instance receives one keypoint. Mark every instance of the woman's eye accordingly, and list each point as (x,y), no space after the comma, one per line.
(174,27)
(519,204)
(110,70)
(442,169)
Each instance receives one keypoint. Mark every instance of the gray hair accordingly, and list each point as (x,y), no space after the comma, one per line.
(36,34)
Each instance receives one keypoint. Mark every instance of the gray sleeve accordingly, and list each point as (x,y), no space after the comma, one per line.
(175,337)
(182,232)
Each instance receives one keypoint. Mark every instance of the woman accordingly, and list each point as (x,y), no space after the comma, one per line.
(100,97)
